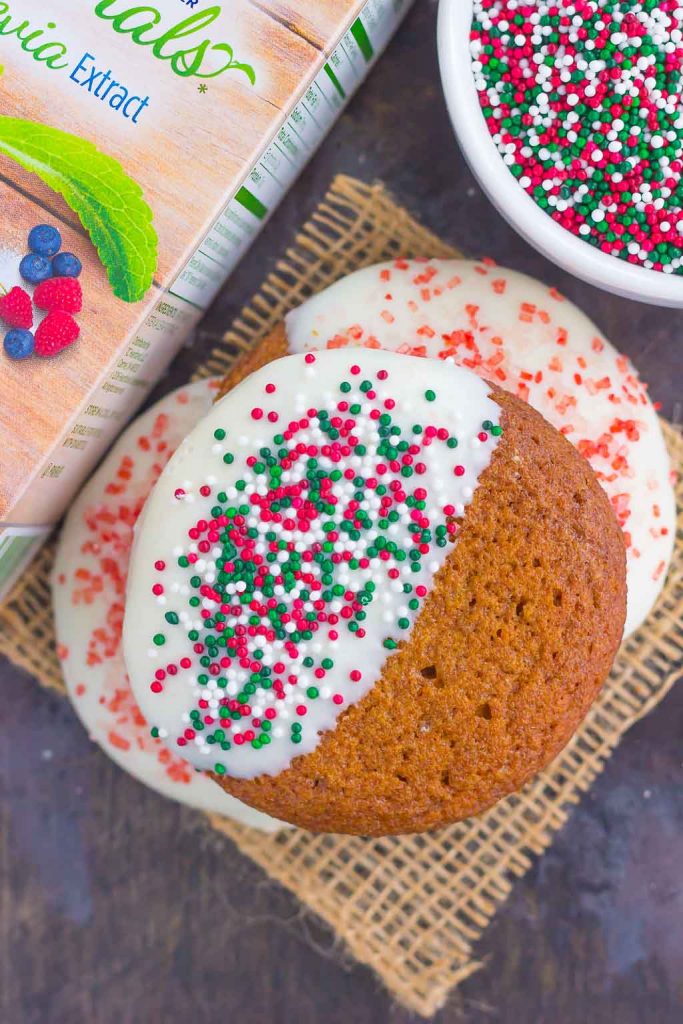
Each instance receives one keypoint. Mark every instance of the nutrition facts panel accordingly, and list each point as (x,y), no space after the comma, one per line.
(235,229)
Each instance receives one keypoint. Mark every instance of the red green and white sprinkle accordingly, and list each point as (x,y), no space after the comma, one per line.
(298,531)
(583,101)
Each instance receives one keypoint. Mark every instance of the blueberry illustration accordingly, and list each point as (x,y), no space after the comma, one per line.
(65,264)
(18,343)
(35,268)
(45,240)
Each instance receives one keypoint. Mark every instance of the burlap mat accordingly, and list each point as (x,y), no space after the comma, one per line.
(410,907)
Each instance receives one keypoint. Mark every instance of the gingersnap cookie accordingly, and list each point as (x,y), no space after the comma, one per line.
(372,594)
(531,341)
(88,585)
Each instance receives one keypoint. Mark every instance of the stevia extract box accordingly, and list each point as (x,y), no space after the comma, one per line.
(153,139)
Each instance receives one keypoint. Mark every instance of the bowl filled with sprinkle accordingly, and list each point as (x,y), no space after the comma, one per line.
(570,114)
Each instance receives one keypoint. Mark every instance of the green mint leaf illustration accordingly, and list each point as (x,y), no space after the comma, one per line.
(108,202)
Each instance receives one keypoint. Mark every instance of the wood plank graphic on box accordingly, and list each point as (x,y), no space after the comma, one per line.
(153,142)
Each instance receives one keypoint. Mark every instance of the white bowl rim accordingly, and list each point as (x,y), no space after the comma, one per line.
(555,242)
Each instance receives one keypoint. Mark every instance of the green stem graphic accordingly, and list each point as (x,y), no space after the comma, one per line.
(109,203)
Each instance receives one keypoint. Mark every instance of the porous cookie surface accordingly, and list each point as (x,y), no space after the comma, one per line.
(89,581)
(528,339)
(508,649)
(289,546)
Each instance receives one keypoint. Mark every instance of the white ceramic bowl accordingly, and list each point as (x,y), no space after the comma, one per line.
(537,227)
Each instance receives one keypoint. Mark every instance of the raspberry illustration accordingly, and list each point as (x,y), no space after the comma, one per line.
(57,291)
(57,331)
(44,240)
(34,268)
(63,293)
(65,264)
(18,343)
(16,308)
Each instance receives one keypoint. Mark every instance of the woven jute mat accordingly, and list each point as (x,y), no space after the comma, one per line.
(411,907)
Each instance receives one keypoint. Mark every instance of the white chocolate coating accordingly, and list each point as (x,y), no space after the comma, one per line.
(88,589)
(528,339)
(365,553)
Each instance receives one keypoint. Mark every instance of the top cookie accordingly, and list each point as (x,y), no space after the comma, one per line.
(300,620)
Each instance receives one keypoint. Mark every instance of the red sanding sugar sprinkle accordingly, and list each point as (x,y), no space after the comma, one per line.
(583,100)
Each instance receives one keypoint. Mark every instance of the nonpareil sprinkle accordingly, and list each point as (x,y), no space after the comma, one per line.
(583,101)
(316,549)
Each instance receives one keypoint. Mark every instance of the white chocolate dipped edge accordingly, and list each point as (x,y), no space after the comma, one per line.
(288,546)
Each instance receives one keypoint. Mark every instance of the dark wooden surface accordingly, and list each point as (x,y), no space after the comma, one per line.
(117,907)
